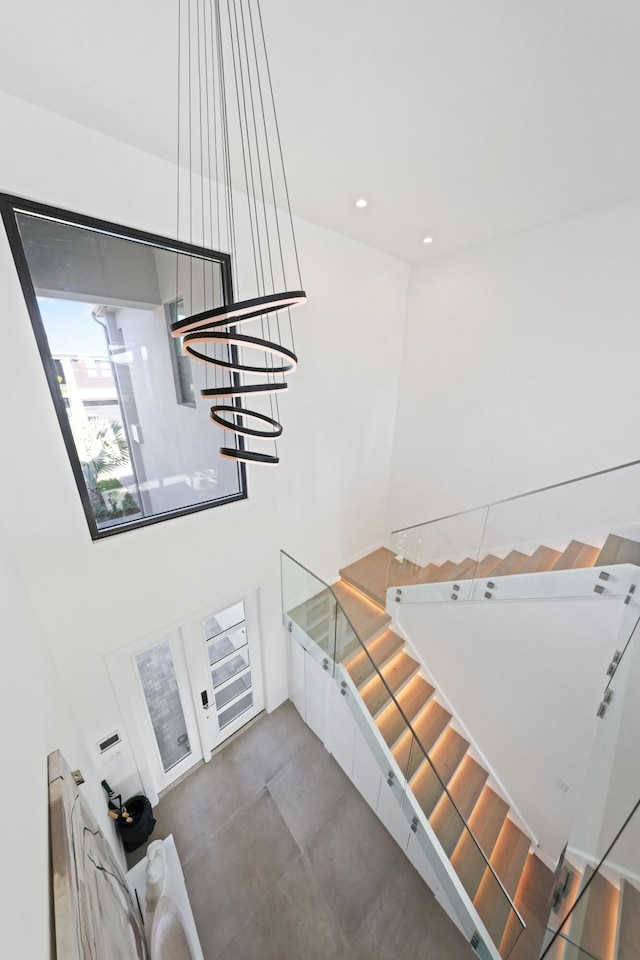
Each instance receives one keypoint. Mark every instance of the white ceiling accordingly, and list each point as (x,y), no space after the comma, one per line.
(464,119)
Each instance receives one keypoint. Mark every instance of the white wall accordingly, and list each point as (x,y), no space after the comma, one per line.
(519,365)
(325,502)
(35,718)
(525,678)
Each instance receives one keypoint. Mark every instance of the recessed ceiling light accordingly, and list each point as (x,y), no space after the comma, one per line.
(361,203)
(428,240)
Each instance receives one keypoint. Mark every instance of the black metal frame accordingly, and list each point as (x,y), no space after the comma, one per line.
(9,207)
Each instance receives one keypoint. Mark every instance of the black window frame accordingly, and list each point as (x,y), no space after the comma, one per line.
(10,206)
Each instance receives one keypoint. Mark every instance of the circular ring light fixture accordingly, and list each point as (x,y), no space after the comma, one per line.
(240,428)
(239,340)
(240,312)
(247,456)
(243,389)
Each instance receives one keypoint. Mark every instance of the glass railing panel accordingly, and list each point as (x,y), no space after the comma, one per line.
(425,561)
(604,921)
(597,897)
(432,810)
(417,779)
(309,610)
(589,524)
(550,540)
(379,717)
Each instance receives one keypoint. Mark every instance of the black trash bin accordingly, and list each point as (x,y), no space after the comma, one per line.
(134,834)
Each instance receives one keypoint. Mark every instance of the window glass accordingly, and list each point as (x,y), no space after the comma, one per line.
(223,621)
(158,677)
(106,303)
(234,711)
(182,365)
(230,667)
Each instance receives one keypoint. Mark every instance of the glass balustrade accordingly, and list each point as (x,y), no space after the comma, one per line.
(596,904)
(575,539)
(415,776)
(310,611)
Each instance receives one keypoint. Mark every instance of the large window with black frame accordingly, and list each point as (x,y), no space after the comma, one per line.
(101,299)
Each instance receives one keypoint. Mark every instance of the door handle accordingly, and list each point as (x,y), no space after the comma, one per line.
(205,699)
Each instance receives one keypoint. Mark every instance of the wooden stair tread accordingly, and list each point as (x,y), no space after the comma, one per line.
(465,788)
(395,673)
(379,650)
(532,903)
(512,563)
(428,726)
(485,823)
(445,757)
(366,617)
(399,670)
(628,937)
(508,860)
(541,560)
(443,572)
(593,922)
(370,574)
(487,565)
(618,550)
(509,855)
(465,570)
(411,700)
(576,555)
(425,574)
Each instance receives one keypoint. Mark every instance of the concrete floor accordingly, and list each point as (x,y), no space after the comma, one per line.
(284,860)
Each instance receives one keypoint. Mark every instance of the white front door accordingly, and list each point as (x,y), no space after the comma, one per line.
(223,647)
(151,681)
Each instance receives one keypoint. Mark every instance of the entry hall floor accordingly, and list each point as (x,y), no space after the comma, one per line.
(284,860)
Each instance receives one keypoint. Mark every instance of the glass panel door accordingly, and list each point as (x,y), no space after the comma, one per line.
(232,693)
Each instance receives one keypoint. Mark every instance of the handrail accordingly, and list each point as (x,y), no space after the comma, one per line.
(414,734)
(519,496)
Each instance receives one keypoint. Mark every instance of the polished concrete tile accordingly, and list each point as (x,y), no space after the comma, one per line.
(235,869)
(213,794)
(309,791)
(405,920)
(293,921)
(351,857)
(284,860)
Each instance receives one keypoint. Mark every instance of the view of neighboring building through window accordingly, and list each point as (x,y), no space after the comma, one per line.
(182,366)
(106,303)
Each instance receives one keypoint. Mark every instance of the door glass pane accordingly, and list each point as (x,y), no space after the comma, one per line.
(234,711)
(233,690)
(224,620)
(230,667)
(158,677)
(223,646)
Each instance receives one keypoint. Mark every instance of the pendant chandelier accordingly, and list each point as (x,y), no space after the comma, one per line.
(229,141)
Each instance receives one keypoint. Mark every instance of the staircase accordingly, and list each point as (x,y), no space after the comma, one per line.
(373,574)
(525,878)
(606,923)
